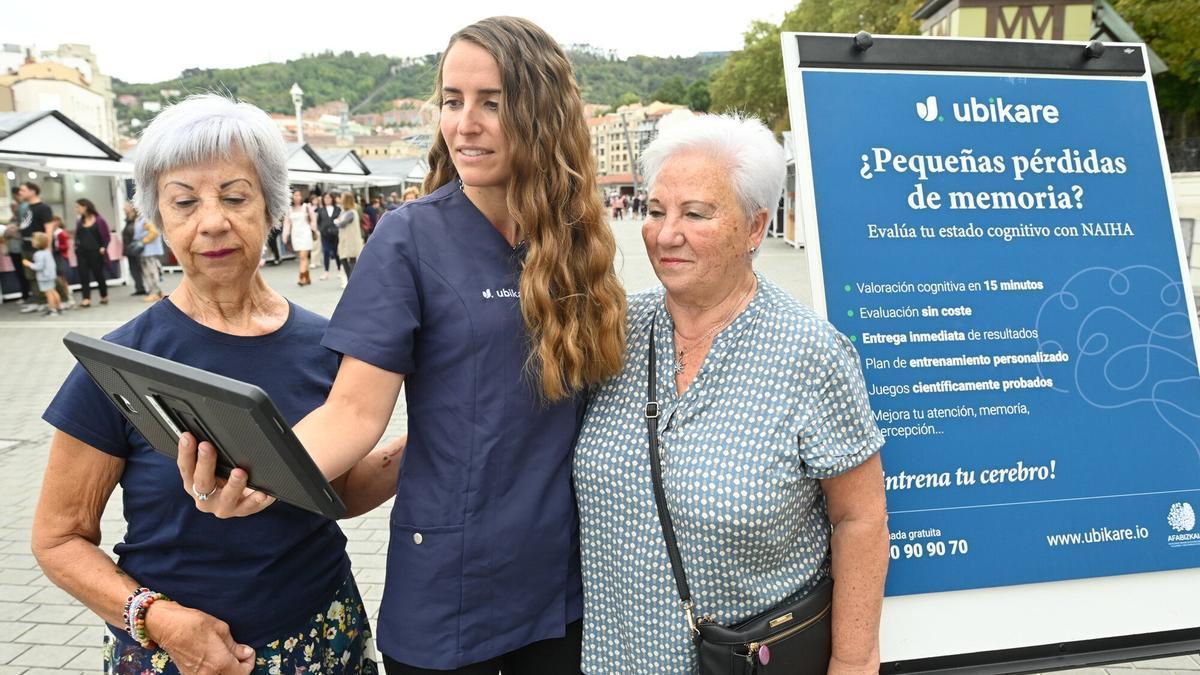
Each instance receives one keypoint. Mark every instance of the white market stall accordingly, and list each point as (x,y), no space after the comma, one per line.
(67,163)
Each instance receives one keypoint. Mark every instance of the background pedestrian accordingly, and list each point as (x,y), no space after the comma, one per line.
(42,265)
(91,243)
(133,254)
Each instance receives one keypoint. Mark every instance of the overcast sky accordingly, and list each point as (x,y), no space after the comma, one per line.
(143,41)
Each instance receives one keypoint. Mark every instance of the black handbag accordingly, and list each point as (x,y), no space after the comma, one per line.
(794,637)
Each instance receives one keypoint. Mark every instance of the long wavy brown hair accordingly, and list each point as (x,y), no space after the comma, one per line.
(571,300)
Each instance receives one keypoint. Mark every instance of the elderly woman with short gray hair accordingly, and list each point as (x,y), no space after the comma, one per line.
(190,593)
(766,441)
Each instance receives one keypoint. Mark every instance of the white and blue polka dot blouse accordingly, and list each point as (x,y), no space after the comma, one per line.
(778,404)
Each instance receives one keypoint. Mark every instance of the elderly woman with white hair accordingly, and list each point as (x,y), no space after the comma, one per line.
(190,593)
(765,441)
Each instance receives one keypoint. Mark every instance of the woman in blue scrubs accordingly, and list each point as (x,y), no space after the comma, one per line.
(494,302)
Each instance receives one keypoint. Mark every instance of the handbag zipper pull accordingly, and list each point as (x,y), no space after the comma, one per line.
(760,653)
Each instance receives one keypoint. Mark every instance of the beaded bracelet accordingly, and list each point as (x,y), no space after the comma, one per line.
(126,612)
(135,615)
(140,621)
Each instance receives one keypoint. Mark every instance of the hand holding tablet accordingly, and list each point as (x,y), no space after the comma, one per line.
(226,498)
(253,457)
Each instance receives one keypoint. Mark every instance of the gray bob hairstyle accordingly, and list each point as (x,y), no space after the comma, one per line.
(757,167)
(206,128)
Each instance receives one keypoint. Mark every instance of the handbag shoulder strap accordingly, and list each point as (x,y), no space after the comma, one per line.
(660,496)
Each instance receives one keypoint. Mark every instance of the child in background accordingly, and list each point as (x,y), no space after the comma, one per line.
(61,246)
(44,267)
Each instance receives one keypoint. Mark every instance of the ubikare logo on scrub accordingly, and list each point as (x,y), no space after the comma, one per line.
(489,294)
(993,111)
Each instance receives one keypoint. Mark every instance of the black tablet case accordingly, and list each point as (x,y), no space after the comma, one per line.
(238,418)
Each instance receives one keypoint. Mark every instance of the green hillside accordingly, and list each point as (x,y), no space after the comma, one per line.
(368,82)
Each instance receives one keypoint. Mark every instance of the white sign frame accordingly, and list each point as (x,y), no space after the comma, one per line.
(931,625)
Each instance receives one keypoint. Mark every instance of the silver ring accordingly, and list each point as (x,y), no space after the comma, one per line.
(202,497)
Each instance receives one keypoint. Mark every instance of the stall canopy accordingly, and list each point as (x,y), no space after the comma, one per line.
(400,171)
(305,165)
(50,141)
(345,161)
(347,168)
(344,167)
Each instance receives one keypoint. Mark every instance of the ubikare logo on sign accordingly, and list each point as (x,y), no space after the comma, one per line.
(992,111)
(927,109)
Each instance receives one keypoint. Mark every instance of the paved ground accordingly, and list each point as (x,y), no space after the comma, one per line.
(44,630)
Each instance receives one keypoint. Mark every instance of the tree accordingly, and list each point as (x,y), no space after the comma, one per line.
(628,98)
(850,16)
(1172,29)
(369,82)
(672,90)
(698,97)
(751,80)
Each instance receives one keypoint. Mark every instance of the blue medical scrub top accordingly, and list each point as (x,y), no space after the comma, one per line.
(484,550)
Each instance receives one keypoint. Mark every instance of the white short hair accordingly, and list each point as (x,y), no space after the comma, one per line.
(757,167)
(206,128)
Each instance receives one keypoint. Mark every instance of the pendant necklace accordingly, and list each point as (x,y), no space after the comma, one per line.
(687,345)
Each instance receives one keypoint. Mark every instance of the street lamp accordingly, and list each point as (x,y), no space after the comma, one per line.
(633,167)
(298,101)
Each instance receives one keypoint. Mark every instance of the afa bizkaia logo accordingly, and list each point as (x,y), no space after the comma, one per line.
(992,111)
(1182,519)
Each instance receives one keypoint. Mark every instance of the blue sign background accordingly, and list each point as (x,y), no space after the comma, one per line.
(1118,433)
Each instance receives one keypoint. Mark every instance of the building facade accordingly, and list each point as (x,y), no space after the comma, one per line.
(66,79)
(619,137)
(1044,20)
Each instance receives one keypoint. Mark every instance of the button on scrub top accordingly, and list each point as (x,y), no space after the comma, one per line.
(484,549)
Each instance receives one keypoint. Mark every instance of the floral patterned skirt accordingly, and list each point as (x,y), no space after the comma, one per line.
(336,641)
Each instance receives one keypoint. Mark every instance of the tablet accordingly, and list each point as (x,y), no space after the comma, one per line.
(163,399)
